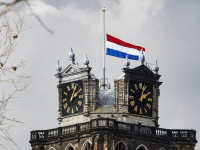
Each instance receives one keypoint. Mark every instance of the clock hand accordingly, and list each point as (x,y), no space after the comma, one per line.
(142,95)
(73,93)
(145,95)
(77,93)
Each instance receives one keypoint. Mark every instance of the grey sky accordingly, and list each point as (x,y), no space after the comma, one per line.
(169,30)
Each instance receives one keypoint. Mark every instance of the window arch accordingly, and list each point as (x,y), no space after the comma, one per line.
(141,147)
(121,146)
(87,145)
(69,147)
(162,148)
(52,148)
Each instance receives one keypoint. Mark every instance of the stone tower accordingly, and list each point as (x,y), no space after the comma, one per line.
(123,118)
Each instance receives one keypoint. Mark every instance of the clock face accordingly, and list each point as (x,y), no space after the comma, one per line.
(140,98)
(72,98)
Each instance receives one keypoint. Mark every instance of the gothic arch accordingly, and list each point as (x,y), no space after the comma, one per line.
(69,147)
(121,146)
(87,145)
(141,147)
(162,148)
(52,148)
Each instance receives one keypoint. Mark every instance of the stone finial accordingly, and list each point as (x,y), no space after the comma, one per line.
(77,64)
(72,56)
(126,62)
(58,67)
(155,67)
(141,57)
(86,61)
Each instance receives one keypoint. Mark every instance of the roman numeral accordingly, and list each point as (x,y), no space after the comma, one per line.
(131,97)
(80,103)
(140,85)
(72,110)
(145,110)
(144,87)
(132,91)
(65,93)
(68,88)
(136,86)
(65,105)
(132,103)
(136,108)
(64,100)
(76,108)
(150,99)
(80,96)
(140,111)
(148,105)
(68,109)
(72,85)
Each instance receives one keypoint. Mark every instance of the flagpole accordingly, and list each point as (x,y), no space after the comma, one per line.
(104,48)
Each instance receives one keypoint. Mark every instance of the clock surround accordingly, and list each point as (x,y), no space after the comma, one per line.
(140,98)
(72,98)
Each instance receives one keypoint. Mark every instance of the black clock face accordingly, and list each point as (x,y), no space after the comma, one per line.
(140,98)
(72,98)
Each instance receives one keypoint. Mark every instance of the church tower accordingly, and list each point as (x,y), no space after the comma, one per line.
(123,118)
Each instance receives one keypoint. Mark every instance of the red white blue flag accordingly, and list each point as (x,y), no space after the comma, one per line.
(119,48)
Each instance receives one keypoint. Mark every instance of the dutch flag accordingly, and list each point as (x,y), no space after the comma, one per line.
(119,48)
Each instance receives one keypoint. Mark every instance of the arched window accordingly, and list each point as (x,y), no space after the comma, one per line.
(87,145)
(141,147)
(69,147)
(51,148)
(121,146)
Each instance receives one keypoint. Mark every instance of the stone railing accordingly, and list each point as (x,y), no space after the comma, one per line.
(107,124)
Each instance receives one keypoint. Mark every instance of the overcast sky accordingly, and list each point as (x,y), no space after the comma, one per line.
(169,31)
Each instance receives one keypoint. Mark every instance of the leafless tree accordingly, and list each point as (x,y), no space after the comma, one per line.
(9,33)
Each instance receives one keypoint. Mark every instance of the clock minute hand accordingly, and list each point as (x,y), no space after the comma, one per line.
(73,93)
(142,95)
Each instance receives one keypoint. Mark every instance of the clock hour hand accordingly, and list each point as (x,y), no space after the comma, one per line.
(77,93)
(145,95)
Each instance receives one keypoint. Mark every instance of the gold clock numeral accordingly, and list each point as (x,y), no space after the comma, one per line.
(68,109)
(136,87)
(68,88)
(140,85)
(132,91)
(150,99)
(131,97)
(72,85)
(140,111)
(148,105)
(65,93)
(132,103)
(65,105)
(80,96)
(144,87)
(136,108)
(64,100)
(80,103)
(72,110)
(76,108)
(145,110)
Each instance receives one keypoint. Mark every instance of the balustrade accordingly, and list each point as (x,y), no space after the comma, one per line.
(111,123)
